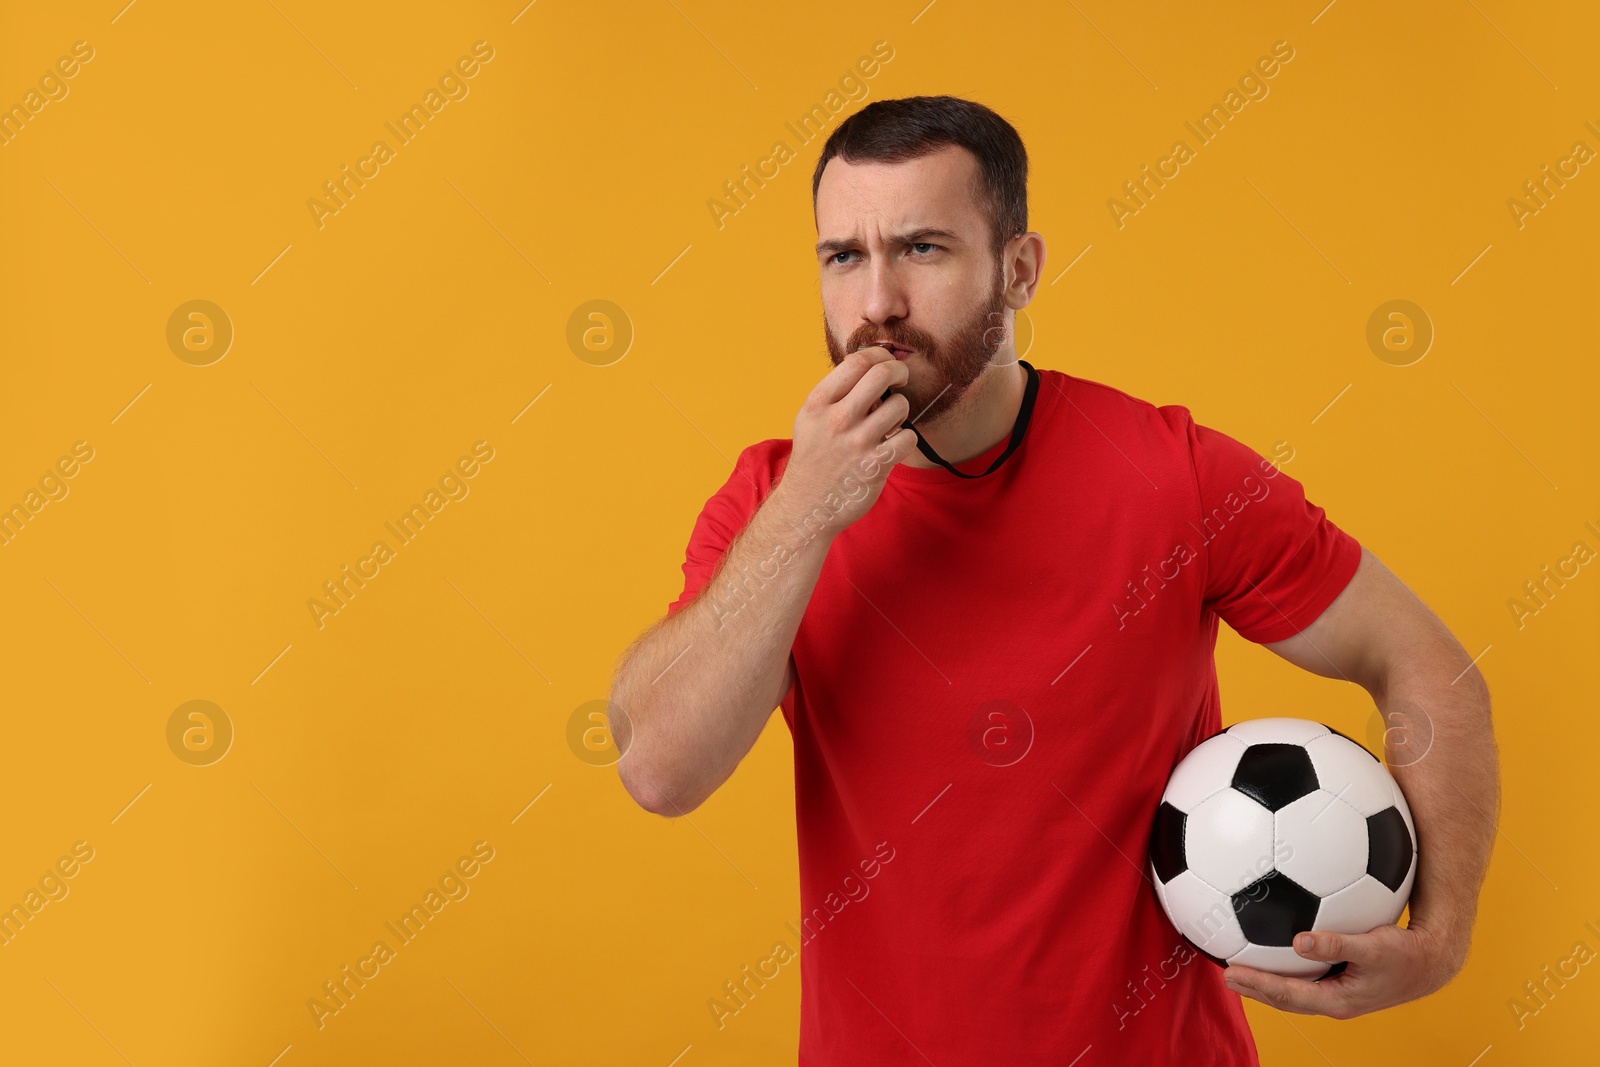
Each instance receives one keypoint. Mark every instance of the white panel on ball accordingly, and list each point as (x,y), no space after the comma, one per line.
(1280,960)
(1321,842)
(1360,907)
(1208,918)
(1228,840)
(1204,772)
(1276,731)
(1345,768)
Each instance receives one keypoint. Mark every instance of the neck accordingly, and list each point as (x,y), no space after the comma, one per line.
(983,418)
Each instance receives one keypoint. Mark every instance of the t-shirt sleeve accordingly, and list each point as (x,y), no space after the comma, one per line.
(724,515)
(1275,561)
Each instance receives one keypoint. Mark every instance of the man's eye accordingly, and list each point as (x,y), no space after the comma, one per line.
(915,245)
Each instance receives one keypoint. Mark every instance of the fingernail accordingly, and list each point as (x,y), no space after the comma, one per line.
(1302,943)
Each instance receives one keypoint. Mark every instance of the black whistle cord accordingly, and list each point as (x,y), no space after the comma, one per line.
(1024,415)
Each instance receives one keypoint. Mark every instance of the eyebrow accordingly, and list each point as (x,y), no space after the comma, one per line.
(835,245)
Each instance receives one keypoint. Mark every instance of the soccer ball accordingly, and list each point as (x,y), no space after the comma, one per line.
(1275,826)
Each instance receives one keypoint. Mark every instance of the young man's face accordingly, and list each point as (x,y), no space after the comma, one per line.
(884,277)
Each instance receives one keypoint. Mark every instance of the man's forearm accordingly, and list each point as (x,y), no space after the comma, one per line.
(696,691)
(1439,743)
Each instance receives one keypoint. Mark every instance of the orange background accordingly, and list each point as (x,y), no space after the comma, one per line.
(369,354)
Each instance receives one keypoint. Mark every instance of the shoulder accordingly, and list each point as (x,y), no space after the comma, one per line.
(1122,433)
(1148,432)
(1111,409)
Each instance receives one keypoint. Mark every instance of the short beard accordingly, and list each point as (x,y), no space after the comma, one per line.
(952,367)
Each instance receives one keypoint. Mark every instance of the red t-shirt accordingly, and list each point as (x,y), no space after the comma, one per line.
(994,679)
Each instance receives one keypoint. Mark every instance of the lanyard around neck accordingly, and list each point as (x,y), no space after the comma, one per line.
(1024,415)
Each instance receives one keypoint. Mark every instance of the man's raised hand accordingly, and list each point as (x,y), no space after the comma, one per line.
(846,439)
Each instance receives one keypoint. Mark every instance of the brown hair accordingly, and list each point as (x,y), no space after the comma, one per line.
(893,131)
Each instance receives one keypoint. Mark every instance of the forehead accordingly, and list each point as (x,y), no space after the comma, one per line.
(935,189)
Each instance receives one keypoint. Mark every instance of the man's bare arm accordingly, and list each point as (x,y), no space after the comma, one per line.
(1440,747)
(694,691)
(1438,736)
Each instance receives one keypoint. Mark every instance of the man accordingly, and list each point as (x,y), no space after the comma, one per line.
(987,598)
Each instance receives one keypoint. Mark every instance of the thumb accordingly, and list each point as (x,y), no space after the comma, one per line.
(1320,945)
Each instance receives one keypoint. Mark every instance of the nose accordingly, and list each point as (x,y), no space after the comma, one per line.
(885,298)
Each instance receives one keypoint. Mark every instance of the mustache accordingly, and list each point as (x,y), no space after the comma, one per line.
(905,338)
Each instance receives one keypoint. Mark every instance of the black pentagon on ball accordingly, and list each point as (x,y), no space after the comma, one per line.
(1275,775)
(1166,843)
(1274,908)
(1389,848)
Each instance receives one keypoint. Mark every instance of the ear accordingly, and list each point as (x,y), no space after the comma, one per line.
(1024,262)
